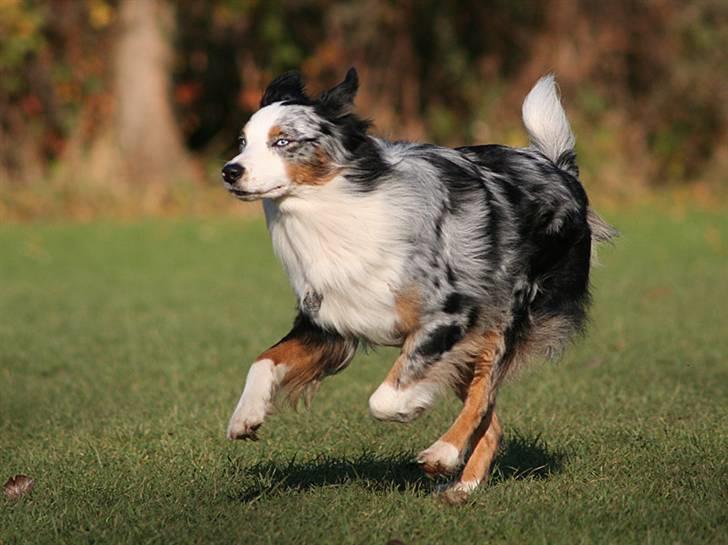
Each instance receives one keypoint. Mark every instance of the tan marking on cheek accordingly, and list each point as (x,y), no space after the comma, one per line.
(319,170)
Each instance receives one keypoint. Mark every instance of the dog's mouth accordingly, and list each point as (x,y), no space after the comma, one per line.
(243,195)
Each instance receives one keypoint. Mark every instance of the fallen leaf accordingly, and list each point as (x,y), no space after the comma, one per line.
(18,486)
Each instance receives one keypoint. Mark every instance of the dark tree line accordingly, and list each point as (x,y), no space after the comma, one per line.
(142,91)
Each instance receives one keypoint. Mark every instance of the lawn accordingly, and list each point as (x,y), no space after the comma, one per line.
(124,347)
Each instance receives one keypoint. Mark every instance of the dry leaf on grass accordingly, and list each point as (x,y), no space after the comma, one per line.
(18,486)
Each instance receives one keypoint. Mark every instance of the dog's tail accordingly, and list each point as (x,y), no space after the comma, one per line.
(550,133)
(547,126)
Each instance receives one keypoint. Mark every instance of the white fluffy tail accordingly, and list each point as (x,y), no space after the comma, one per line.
(545,120)
(550,133)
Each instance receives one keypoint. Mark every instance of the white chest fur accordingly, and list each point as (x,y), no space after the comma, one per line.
(348,250)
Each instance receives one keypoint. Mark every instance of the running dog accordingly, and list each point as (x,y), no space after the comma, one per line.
(472,260)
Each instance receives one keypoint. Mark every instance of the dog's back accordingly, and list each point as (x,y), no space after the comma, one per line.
(555,225)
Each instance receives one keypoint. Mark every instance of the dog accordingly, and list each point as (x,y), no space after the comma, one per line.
(473,260)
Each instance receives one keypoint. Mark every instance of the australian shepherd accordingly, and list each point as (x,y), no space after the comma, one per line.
(472,260)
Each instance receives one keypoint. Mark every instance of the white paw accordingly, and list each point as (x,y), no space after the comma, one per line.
(440,459)
(458,492)
(245,422)
(256,401)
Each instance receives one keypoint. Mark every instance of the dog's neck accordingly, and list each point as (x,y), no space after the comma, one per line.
(344,247)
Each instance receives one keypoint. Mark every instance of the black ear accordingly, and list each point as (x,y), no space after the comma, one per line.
(287,86)
(340,99)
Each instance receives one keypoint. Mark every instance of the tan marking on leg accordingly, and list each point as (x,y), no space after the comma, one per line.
(408,306)
(395,371)
(461,433)
(302,362)
(480,461)
(307,363)
(476,401)
(296,363)
(477,469)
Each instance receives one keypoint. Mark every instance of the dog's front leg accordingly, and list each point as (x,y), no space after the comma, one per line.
(301,359)
(264,378)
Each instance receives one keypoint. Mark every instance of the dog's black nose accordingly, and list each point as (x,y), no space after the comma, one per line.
(232,172)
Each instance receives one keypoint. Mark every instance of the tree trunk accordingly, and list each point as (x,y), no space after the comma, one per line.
(149,139)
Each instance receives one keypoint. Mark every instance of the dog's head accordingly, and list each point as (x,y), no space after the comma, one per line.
(295,142)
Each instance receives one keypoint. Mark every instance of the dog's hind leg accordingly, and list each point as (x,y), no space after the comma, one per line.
(446,455)
(300,360)
(478,466)
(420,372)
(400,399)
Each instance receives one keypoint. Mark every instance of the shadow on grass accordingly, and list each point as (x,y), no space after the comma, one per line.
(520,457)
(526,457)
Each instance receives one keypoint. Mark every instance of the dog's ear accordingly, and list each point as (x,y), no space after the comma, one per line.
(287,86)
(339,100)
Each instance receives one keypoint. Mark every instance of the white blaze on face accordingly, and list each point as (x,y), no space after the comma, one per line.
(265,170)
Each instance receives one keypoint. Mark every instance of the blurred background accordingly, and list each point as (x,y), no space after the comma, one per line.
(129,107)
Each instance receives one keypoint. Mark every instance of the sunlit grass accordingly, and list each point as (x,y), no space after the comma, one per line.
(123,349)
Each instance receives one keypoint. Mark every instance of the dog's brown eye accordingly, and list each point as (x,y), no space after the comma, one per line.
(241,142)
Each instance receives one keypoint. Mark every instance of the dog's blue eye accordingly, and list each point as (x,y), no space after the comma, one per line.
(281,142)
(241,142)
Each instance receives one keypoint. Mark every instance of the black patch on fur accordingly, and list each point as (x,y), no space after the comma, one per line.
(368,168)
(441,340)
(543,208)
(473,315)
(461,179)
(450,275)
(561,270)
(453,303)
(512,165)
(309,334)
(567,162)
(513,193)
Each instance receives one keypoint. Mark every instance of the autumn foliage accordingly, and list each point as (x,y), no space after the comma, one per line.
(644,82)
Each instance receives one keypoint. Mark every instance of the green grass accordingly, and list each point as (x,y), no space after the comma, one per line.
(123,349)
